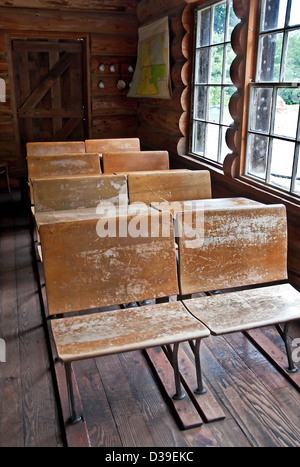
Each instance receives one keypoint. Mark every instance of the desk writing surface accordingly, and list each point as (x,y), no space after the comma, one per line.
(72,215)
(198,204)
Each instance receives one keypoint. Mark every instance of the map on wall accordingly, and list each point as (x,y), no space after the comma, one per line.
(152,74)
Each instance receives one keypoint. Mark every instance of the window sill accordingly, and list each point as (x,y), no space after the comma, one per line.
(244,184)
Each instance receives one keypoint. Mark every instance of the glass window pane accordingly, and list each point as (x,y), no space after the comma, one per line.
(224,148)
(200,102)
(292,63)
(219,23)
(282,163)
(230,56)
(216,64)
(295,13)
(214,103)
(201,70)
(233,20)
(199,138)
(228,92)
(274,14)
(286,114)
(212,142)
(270,57)
(257,154)
(260,113)
(203,27)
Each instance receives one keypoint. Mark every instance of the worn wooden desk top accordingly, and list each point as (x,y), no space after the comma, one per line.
(179,206)
(72,215)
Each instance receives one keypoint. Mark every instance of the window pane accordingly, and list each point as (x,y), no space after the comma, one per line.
(261,104)
(212,142)
(295,13)
(224,148)
(292,63)
(212,87)
(217,64)
(219,23)
(202,58)
(233,21)
(270,57)
(287,109)
(200,102)
(257,150)
(227,118)
(214,103)
(199,138)
(274,14)
(282,163)
(230,56)
(203,27)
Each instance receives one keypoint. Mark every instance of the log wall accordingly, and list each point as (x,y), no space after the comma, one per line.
(109,28)
(162,122)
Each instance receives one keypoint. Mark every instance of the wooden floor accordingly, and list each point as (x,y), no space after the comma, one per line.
(123,405)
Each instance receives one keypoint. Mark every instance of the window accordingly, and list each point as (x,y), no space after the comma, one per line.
(212,86)
(273,136)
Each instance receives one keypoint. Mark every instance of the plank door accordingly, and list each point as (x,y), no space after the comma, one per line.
(50,96)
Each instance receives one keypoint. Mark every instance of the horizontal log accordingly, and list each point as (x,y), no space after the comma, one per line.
(185,73)
(186,45)
(165,119)
(185,99)
(67,21)
(176,73)
(183,123)
(116,125)
(147,11)
(91,5)
(5,108)
(7,82)
(3,65)
(3,47)
(188,18)
(110,85)
(239,38)
(158,139)
(237,71)
(113,105)
(175,103)
(176,52)
(106,44)
(8,147)
(175,21)
(7,126)
(122,60)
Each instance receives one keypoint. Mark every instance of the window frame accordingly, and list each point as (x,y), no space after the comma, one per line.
(234,163)
(284,29)
(222,127)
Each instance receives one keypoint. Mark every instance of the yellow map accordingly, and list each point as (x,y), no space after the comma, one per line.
(151,77)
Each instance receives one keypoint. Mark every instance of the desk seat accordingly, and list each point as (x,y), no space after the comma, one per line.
(246,309)
(124,330)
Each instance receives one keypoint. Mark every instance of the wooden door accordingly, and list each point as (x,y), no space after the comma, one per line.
(50,93)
